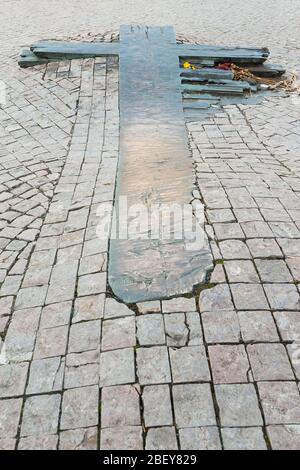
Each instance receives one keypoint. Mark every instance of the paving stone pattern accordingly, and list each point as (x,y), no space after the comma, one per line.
(219,370)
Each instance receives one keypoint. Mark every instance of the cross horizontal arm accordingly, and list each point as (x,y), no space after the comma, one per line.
(240,54)
(72,50)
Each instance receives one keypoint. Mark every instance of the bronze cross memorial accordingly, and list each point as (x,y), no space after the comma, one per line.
(155,165)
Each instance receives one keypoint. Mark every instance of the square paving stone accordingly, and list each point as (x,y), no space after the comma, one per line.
(229,363)
(161,439)
(31,297)
(216,298)
(176,329)
(10,411)
(153,365)
(56,315)
(7,444)
(258,326)
(81,376)
(117,367)
(114,309)
(228,231)
(41,414)
(88,308)
(125,438)
(294,266)
(44,442)
(150,329)
(79,439)
(200,438)
(283,296)
(243,439)
(189,364)
(80,408)
(221,327)
(257,230)
(273,270)
(13,379)
(21,334)
(264,248)
(91,284)
(286,437)
(157,406)
(84,336)
(153,306)
(234,249)
(269,362)
(46,375)
(241,271)
(120,406)
(193,405)
(118,333)
(280,402)
(238,405)
(289,325)
(51,342)
(249,297)
(180,304)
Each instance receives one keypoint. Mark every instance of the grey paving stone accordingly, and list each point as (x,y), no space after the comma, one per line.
(269,362)
(273,271)
(285,437)
(205,438)
(40,415)
(153,365)
(150,329)
(264,248)
(195,330)
(13,379)
(6,305)
(216,298)
(238,405)
(241,271)
(81,376)
(157,406)
(117,367)
(243,439)
(234,249)
(10,411)
(294,266)
(258,326)
(43,442)
(120,406)
(228,231)
(229,364)
(118,333)
(91,284)
(80,408)
(220,215)
(193,405)
(249,297)
(92,264)
(46,375)
(90,307)
(115,309)
(280,402)
(121,438)
(179,304)
(79,439)
(161,439)
(288,324)
(149,307)
(7,444)
(221,326)
(218,275)
(283,296)
(21,334)
(51,342)
(62,282)
(189,364)
(84,336)
(257,230)
(31,297)
(83,358)
(289,246)
(37,276)
(56,315)
(177,332)
(247,215)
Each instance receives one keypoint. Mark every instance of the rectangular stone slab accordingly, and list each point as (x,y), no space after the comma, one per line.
(155,167)
(224,54)
(72,50)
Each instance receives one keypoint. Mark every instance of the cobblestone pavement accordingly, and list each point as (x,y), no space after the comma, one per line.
(83,371)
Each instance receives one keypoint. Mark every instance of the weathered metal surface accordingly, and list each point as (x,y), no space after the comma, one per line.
(224,54)
(71,50)
(155,167)
(206,73)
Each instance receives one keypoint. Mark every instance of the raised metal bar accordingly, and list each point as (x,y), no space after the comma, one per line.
(231,54)
(73,50)
(155,167)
